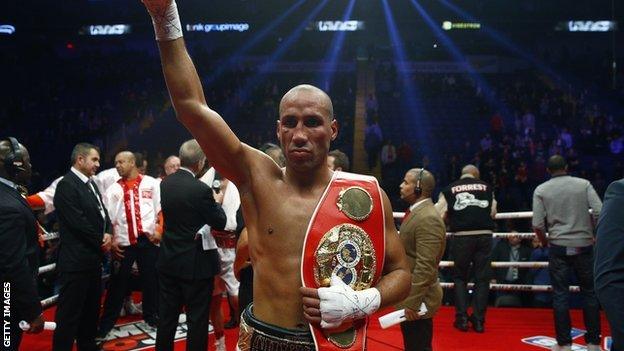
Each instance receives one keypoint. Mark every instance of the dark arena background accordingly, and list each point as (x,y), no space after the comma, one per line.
(437,84)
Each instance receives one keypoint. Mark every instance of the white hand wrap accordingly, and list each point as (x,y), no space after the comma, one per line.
(339,302)
(165,19)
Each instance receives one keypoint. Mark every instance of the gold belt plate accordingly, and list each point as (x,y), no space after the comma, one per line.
(347,251)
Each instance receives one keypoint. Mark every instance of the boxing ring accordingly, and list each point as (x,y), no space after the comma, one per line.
(50,301)
(500,318)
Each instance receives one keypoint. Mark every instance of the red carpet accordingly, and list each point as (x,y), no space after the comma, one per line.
(505,329)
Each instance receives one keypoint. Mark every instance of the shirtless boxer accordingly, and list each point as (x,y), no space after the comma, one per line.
(278,203)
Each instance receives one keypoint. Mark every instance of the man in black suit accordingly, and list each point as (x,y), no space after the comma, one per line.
(185,269)
(609,263)
(84,234)
(18,240)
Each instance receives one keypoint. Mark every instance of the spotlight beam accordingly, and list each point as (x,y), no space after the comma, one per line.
(330,61)
(268,64)
(412,99)
(452,49)
(255,40)
(565,83)
(504,41)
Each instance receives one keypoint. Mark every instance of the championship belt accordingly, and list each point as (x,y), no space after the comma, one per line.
(346,237)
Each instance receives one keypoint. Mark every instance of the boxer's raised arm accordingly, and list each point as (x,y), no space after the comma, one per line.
(221,146)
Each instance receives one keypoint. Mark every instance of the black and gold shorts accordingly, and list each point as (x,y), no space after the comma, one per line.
(255,335)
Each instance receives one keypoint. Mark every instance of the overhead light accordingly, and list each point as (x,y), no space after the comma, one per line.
(337,26)
(105,29)
(7,29)
(586,26)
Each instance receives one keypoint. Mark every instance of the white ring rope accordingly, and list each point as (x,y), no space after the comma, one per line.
(514,215)
(513,287)
(45,303)
(50,236)
(502,215)
(399,215)
(504,264)
(47,268)
(522,235)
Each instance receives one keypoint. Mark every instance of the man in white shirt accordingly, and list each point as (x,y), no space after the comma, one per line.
(106,178)
(133,203)
(225,241)
(43,200)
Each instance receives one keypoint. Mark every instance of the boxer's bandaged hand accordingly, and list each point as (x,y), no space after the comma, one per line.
(339,303)
(165,18)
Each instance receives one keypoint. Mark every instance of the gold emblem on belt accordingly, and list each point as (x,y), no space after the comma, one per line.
(355,202)
(348,252)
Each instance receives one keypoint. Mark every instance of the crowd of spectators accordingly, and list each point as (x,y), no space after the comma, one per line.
(112,98)
(512,123)
(516,124)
